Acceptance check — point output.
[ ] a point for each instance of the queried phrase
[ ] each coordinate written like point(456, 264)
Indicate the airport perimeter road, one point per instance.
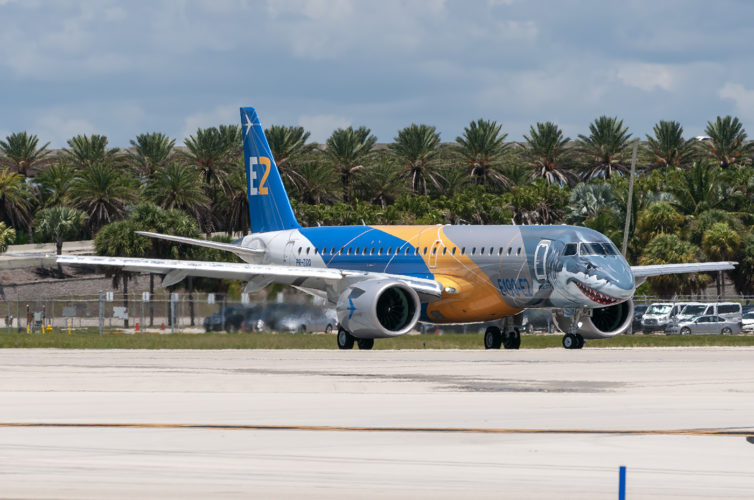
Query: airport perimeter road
point(341, 424)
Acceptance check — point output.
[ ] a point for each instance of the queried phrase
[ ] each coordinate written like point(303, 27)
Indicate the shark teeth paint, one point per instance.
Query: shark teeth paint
point(594, 295)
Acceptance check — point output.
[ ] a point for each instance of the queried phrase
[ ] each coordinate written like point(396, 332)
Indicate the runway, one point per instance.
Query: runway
point(337, 424)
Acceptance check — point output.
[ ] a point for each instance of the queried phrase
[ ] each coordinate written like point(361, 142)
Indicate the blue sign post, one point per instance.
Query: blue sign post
point(622, 483)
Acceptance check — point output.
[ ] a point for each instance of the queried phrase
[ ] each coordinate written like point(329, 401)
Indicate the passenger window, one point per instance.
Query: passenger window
point(491, 250)
point(348, 252)
point(500, 251)
point(307, 250)
point(453, 252)
point(389, 250)
point(473, 250)
point(481, 251)
point(518, 252)
point(510, 250)
point(463, 251)
point(727, 309)
point(444, 249)
point(570, 249)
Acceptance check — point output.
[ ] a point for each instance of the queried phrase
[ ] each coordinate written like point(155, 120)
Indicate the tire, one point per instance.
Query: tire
point(571, 341)
point(365, 344)
point(302, 329)
point(493, 339)
point(328, 329)
point(581, 341)
point(512, 339)
point(726, 331)
point(345, 339)
point(685, 330)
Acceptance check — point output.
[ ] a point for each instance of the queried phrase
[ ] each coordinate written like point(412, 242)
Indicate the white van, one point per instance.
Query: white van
point(660, 314)
point(690, 310)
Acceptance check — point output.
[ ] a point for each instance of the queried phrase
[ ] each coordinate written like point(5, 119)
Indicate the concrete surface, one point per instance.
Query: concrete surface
point(323, 395)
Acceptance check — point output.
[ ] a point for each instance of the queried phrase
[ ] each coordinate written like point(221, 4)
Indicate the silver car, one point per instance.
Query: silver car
point(704, 325)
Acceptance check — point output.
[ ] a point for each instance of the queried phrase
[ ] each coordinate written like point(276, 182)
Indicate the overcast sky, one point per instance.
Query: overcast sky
point(123, 68)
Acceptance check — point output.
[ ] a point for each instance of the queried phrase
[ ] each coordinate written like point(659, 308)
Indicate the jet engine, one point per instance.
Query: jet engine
point(604, 322)
point(378, 308)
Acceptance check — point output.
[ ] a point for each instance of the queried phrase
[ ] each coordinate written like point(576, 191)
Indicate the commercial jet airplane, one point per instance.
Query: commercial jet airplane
point(384, 279)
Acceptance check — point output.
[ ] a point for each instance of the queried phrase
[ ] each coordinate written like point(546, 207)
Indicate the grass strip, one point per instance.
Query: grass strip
point(92, 340)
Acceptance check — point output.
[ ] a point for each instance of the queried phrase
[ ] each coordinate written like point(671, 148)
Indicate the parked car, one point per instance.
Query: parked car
point(292, 318)
point(704, 325)
point(660, 314)
point(229, 318)
point(638, 314)
point(747, 322)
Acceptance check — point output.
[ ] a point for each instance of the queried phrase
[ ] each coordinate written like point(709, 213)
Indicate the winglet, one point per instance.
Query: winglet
point(269, 206)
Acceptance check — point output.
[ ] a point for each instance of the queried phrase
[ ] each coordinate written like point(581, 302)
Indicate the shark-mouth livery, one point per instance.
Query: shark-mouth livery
point(384, 279)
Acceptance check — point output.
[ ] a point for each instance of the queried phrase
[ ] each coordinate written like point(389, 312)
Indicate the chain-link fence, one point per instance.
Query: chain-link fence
point(141, 312)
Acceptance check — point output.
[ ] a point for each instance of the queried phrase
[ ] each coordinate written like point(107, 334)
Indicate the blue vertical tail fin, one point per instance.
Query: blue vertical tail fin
point(269, 206)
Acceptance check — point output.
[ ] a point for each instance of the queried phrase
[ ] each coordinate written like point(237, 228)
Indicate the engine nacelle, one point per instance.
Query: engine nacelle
point(378, 309)
point(605, 322)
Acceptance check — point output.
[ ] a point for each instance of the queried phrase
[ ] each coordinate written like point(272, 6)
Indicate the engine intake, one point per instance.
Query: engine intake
point(605, 322)
point(378, 309)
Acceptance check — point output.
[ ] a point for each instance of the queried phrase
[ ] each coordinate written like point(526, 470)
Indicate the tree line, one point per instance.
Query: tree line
point(693, 200)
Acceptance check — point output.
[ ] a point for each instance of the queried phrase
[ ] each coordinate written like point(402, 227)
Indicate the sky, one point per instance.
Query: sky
point(124, 68)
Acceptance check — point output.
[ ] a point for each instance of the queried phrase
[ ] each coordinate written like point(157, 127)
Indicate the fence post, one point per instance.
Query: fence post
point(101, 312)
point(172, 312)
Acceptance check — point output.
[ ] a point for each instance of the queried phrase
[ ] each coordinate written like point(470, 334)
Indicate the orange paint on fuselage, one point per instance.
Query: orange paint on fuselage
point(475, 299)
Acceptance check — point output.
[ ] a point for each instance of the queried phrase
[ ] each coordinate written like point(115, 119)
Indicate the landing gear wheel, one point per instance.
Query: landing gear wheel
point(365, 344)
point(512, 339)
point(345, 339)
point(493, 339)
point(573, 341)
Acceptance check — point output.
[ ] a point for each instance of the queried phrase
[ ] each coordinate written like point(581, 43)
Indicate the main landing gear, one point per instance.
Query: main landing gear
point(494, 338)
point(346, 340)
point(573, 341)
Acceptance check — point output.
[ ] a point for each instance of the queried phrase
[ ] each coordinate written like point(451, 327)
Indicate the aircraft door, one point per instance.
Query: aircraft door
point(288, 252)
point(540, 259)
point(434, 252)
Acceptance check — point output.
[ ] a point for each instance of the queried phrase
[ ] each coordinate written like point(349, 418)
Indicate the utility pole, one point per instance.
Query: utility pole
point(630, 197)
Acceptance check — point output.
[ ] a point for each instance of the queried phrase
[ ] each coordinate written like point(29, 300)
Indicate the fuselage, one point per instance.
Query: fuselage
point(487, 272)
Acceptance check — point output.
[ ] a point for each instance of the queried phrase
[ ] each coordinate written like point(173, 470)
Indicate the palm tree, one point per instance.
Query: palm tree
point(348, 148)
point(696, 189)
point(416, 147)
point(151, 151)
point(55, 184)
point(86, 151)
point(727, 142)
point(671, 249)
point(232, 205)
point(288, 146)
point(317, 181)
point(658, 218)
point(606, 145)
point(453, 180)
point(59, 224)
point(15, 199)
point(103, 193)
point(380, 183)
point(721, 242)
point(588, 200)
point(546, 147)
point(482, 147)
point(20, 150)
point(212, 150)
point(7, 236)
point(178, 186)
point(668, 148)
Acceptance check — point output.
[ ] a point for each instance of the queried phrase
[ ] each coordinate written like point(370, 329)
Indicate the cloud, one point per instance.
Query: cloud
point(741, 96)
point(647, 76)
point(322, 126)
point(58, 128)
point(219, 115)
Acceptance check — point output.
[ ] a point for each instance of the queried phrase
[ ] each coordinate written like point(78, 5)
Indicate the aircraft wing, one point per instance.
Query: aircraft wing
point(257, 275)
point(695, 267)
point(641, 273)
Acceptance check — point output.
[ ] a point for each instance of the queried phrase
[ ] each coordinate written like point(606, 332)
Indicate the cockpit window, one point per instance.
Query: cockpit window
point(571, 249)
point(594, 249)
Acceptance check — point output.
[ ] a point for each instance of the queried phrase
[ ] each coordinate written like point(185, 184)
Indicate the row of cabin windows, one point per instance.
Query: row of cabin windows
point(406, 251)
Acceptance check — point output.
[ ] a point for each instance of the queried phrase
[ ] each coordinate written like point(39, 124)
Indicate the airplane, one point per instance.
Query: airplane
point(383, 280)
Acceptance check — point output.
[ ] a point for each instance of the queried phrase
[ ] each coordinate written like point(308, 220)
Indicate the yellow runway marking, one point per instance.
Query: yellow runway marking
point(427, 430)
